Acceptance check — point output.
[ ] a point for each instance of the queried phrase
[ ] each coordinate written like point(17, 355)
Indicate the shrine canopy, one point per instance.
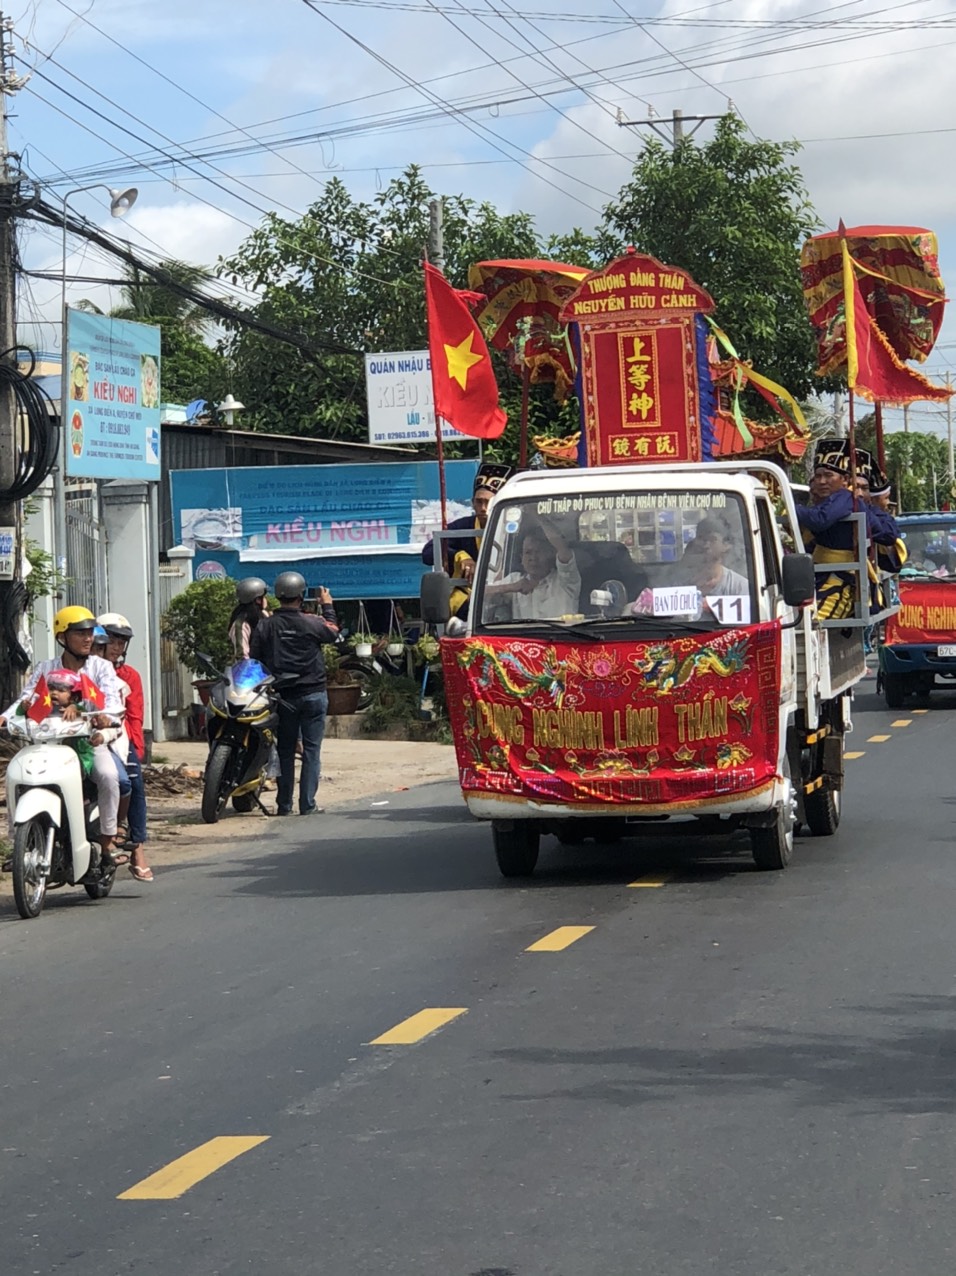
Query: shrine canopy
point(521, 315)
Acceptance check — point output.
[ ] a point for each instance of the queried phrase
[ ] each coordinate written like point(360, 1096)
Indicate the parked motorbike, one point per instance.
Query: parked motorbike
point(393, 658)
point(55, 816)
point(241, 730)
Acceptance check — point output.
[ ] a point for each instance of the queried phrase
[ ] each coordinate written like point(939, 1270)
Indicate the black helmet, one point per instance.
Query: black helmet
point(290, 585)
point(250, 588)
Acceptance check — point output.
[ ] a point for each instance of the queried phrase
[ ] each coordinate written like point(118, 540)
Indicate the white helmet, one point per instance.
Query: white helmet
point(116, 624)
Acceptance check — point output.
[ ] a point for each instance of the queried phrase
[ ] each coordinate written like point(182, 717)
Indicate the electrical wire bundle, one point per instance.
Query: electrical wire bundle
point(34, 407)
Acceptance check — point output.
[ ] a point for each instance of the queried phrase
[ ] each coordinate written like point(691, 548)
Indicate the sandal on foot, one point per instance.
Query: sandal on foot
point(112, 861)
point(141, 874)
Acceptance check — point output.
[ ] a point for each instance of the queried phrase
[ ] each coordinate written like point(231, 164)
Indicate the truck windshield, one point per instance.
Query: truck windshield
point(668, 556)
point(930, 548)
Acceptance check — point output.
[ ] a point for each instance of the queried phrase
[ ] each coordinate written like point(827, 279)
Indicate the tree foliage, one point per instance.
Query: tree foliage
point(348, 276)
point(917, 465)
point(733, 213)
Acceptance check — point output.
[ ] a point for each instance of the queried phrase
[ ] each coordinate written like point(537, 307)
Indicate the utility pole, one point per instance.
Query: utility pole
point(11, 520)
point(676, 121)
point(436, 237)
point(906, 418)
point(949, 431)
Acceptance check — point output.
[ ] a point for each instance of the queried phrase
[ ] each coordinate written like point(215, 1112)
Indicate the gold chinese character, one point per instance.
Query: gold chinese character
point(641, 447)
point(665, 445)
point(638, 377)
point(620, 447)
point(640, 404)
point(638, 356)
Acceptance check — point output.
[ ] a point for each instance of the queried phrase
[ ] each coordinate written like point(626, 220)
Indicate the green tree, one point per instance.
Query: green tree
point(917, 465)
point(733, 213)
point(347, 276)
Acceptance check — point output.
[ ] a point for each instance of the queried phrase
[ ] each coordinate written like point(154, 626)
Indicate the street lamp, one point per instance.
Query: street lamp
point(229, 407)
point(120, 204)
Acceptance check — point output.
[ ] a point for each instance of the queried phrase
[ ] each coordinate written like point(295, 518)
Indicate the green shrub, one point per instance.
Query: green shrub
point(198, 620)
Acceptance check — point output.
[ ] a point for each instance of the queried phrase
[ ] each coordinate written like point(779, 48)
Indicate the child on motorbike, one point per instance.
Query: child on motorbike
point(73, 632)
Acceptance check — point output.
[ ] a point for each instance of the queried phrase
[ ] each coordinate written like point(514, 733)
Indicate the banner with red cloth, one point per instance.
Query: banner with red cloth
point(622, 723)
point(927, 613)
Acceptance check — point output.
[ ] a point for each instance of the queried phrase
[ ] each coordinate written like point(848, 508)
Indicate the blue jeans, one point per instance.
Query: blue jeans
point(305, 716)
point(137, 801)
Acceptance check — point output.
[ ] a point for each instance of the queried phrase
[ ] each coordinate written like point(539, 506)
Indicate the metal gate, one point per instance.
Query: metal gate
point(86, 584)
point(176, 679)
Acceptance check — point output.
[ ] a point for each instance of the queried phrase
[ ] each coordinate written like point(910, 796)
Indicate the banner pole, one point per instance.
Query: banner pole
point(880, 449)
point(439, 442)
point(523, 428)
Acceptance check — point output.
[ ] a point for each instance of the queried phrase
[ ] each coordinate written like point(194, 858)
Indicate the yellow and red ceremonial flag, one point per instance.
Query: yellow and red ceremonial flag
point(90, 692)
point(466, 392)
point(873, 369)
point(41, 704)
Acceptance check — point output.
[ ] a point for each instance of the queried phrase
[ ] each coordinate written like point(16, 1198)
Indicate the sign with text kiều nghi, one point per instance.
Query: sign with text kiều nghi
point(111, 398)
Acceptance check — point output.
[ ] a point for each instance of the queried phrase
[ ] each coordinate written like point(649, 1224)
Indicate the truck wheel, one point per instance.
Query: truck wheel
point(772, 847)
point(822, 811)
point(516, 848)
point(894, 690)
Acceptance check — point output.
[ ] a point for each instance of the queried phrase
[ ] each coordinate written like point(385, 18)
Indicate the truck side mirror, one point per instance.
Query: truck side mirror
point(436, 598)
point(799, 580)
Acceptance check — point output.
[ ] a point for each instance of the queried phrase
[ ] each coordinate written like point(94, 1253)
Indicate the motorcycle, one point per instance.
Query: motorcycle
point(55, 816)
point(393, 659)
point(241, 731)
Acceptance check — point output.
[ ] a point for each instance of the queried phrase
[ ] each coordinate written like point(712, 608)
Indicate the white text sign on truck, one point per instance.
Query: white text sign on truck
point(400, 404)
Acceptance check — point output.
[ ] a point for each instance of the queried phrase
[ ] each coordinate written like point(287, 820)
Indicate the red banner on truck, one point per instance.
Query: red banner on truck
point(927, 613)
point(622, 723)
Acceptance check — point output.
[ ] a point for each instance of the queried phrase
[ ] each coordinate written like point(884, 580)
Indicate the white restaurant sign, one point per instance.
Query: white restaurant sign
point(400, 402)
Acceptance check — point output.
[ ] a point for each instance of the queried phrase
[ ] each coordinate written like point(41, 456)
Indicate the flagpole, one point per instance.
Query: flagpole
point(523, 427)
point(439, 441)
point(880, 449)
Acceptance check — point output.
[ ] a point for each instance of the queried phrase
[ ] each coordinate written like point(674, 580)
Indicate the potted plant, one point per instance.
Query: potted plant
point(197, 620)
point(362, 641)
point(343, 691)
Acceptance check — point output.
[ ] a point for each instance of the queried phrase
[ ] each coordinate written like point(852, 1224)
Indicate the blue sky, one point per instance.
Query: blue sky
point(867, 85)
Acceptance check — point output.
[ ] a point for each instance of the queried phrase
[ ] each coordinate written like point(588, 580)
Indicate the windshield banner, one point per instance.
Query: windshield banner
point(661, 722)
point(927, 613)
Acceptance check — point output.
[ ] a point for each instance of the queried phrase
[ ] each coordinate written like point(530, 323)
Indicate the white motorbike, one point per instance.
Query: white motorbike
point(55, 823)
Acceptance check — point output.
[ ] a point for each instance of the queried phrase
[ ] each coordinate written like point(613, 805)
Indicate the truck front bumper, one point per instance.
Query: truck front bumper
point(917, 658)
point(507, 806)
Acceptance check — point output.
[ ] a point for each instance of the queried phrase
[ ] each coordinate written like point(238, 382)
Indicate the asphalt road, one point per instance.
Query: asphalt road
point(731, 1072)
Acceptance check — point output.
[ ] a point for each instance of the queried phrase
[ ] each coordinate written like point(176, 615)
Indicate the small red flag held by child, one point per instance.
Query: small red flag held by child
point(41, 704)
point(466, 392)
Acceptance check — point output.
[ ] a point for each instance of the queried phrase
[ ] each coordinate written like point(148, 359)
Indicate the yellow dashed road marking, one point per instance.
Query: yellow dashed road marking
point(901, 722)
point(419, 1026)
point(651, 882)
point(877, 739)
point(180, 1175)
point(559, 939)
point(850, 756)
point(919, 710)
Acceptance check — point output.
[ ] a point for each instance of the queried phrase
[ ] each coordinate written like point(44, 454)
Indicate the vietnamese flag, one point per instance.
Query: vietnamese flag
point(873, 368)
point(41, 705)
point(91, 692)
point(466, 392)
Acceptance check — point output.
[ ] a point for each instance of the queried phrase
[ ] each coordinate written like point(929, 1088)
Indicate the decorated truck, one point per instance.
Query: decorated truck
point(919, 641)
point(641, 644)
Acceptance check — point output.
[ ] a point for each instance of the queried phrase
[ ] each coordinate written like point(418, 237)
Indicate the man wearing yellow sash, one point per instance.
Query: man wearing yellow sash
point(461, 553)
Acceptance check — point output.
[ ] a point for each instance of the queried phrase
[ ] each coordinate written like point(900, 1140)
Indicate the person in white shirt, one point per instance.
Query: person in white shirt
point(702, 563)
point(548, 585)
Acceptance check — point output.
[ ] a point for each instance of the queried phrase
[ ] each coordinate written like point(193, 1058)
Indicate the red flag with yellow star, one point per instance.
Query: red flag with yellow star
point(466, 392)
point(41, 704)
point(91, 693)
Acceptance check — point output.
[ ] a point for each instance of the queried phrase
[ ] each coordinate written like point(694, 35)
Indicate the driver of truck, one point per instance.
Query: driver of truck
point(549, 583)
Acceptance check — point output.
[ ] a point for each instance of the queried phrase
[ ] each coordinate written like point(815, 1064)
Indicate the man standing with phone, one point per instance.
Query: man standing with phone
point(289, 644)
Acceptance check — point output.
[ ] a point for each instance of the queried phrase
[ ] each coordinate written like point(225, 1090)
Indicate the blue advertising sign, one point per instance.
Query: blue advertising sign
point(111, 413)
point(358, 530)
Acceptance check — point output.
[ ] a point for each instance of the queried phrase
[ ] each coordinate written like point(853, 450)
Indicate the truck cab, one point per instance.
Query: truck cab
point(641, 645)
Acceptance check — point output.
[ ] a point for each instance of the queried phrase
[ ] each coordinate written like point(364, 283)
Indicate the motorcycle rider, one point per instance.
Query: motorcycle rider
point(118, 632)
point(73, 632)
point(252, 605)
point(290, 642)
